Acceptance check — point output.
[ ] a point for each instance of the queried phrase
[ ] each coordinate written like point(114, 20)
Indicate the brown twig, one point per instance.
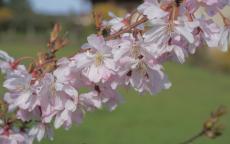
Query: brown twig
point(129, 28)
point(211, 127)
point(195, 137)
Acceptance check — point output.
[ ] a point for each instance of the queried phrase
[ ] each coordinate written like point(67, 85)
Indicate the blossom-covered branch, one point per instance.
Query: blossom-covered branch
point(132, 55)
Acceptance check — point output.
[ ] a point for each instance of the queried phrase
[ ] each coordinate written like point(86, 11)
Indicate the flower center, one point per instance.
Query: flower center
point(142, 68)
point(53, 89)
point(135, 52)
point(99, 59)
point(170, 28)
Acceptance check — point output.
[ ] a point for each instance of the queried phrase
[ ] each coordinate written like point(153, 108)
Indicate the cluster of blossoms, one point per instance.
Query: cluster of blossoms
point(60, 92)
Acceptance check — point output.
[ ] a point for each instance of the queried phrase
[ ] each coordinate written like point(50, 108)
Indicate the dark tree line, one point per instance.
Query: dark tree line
point(2, 3)
point(24, 19)
point(117, 1)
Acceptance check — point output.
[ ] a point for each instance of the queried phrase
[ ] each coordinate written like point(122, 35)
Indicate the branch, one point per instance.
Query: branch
point(129, 28)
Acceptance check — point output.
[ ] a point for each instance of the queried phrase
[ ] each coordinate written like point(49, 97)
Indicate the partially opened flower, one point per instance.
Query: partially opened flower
point(117, 23)
point(8, 64)
point(5, 61)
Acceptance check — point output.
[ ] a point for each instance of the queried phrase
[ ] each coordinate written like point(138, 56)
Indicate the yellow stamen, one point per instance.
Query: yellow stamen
point(99, 59)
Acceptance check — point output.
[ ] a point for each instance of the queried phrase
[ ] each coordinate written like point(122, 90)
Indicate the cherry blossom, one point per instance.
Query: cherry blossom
point(12, 135)
point(40, 130)
point(18, 84)
point(163, 31)
point(211, 6)
point(57, 93)
point(96, 64)
point(15, 138)
point(207, 32)
point(151, 8)
point(117, 23)
point(7, 64)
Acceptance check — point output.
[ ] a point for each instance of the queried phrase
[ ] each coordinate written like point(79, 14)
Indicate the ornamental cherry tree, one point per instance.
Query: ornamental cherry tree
point(126, 51)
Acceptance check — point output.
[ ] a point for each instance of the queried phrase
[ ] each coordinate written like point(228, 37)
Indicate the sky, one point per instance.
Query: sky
point(63, 7)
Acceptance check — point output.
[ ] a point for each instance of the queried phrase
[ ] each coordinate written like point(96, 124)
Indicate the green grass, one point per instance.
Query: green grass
point(167, 118)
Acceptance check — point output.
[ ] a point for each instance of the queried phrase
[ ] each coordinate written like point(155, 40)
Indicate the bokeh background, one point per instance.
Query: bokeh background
point(199, 86)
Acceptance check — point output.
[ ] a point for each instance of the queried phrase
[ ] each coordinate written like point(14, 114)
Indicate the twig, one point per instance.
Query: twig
point(117, 34)
point(129, 28)
point(211, 127)
point(195, 137)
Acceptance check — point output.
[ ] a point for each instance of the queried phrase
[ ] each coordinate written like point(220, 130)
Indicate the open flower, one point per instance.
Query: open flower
point(18, 85)
point(144, 75)
point(96, 64)
point(138, 67)
point(163, 31)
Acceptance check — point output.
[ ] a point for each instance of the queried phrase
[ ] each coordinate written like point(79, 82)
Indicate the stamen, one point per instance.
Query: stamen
point(142, 68)
point(135, 52)
point(99, 59)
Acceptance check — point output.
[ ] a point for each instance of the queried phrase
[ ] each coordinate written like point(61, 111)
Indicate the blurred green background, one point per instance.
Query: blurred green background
point(199, 86)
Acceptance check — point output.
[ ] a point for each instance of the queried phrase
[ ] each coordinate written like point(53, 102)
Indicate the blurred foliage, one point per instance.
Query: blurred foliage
point(5, 15)
point(119, 1)
point(211, 59)
point(18, 16)
point(104, 8)
point(127, 4)
point(220, 60)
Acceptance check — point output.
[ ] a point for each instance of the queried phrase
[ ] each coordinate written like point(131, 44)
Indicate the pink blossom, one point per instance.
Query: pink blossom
point(151, 8)
point(117, 23)
point(40, 130)
point(15, 138)
point(19, 88)
point(97, 64)
point(163, 31)
point(138, 67)
point(211, 6)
